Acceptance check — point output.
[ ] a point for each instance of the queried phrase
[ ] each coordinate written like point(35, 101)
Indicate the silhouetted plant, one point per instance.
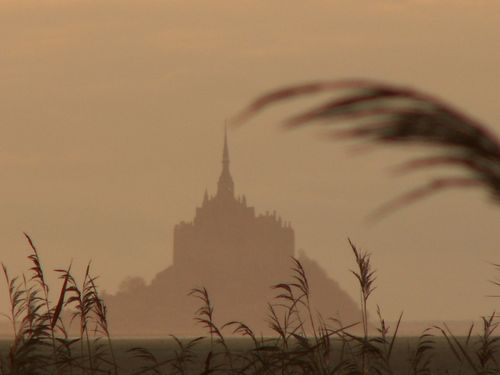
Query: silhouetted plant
point(101, 324)
point(41, 344)
point(303, 343)
point(480, 355)
point(420, 360)
point(387, 114)
point(366, 277)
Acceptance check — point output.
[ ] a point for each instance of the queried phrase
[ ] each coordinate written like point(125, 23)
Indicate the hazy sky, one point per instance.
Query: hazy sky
point(111, 119)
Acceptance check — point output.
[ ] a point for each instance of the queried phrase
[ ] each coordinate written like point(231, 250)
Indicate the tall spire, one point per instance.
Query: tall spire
point(225, 153)
point(226, 184)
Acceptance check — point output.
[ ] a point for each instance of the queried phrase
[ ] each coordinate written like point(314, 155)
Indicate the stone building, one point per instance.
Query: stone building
point(237, 255)
point(225, 227)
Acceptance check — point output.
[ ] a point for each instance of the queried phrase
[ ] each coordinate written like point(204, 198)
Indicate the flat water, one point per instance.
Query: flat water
point(443, 359)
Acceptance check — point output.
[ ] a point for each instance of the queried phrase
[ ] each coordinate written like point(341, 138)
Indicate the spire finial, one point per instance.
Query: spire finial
point(225, 154)
point(226, 185)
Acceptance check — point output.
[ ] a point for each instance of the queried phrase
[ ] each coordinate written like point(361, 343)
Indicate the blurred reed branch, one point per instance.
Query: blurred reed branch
point(385, 114)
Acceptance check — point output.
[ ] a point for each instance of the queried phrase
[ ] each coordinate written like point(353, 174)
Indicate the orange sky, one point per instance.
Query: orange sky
point(111, 116)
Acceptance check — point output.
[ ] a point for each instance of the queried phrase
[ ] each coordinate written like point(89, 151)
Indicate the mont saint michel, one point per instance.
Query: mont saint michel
point(237, 255)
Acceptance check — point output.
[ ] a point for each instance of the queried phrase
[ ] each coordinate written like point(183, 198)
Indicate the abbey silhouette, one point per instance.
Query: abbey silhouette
point(225, 231)
point(237, 255)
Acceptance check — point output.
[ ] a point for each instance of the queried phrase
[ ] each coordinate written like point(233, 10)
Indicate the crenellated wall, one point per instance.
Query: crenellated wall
point(224, 227)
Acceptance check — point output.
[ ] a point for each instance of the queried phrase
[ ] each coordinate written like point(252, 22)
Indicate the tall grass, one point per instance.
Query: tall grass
point(41, 343)
point(303, 342)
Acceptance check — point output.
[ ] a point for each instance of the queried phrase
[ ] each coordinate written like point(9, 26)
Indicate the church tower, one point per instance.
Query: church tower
point(225, 227)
